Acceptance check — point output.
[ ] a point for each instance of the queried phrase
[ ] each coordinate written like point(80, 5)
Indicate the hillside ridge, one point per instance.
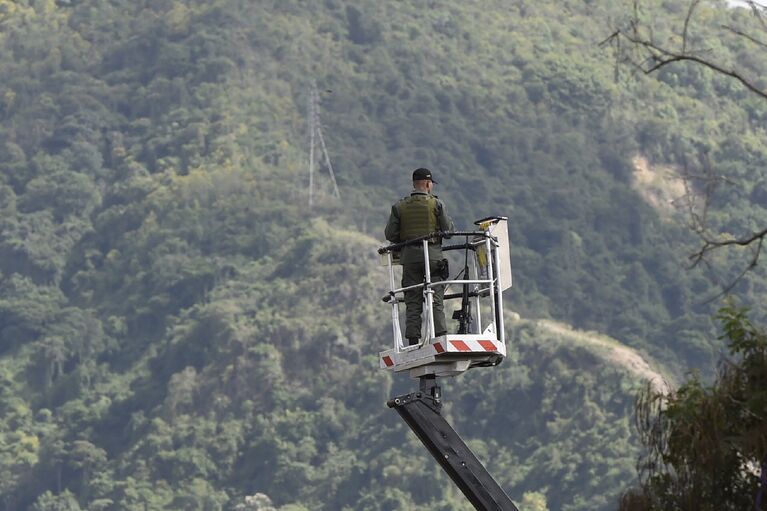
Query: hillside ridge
point(610, 350)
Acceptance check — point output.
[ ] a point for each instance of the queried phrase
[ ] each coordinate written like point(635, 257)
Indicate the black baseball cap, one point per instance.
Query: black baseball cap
point(421, 174)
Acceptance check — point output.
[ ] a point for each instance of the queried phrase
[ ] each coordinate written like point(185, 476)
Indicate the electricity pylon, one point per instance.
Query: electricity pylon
point(315, 133)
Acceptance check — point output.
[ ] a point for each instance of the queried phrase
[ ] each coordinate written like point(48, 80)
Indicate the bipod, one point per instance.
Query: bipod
point(421, 411)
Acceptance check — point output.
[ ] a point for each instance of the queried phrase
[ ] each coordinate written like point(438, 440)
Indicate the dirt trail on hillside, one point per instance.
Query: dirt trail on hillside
point(612, 352)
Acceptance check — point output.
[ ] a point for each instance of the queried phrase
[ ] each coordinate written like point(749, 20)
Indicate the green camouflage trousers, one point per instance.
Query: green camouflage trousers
point(412, 274)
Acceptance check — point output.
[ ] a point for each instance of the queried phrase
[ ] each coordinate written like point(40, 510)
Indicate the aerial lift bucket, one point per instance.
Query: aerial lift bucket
point(487, 274)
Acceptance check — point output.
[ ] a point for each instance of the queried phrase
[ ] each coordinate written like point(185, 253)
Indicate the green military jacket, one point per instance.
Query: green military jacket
point(396, 228)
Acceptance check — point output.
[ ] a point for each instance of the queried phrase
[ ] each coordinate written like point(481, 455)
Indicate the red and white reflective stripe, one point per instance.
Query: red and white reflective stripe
point(472, 345)
point(460, 345)
point(488, 345)
point(450, 345)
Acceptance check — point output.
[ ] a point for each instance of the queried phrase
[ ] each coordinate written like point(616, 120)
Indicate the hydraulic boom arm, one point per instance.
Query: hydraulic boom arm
point(421, 411)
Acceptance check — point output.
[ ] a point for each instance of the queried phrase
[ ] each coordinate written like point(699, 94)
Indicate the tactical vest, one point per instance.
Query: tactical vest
point(417, 216)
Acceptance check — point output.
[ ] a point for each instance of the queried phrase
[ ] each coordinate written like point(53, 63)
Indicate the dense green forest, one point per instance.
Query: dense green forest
point(180, 330)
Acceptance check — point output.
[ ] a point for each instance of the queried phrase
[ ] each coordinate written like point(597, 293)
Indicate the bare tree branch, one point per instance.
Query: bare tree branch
point(711, 245)
point(659, 56)
point(756, 10)
point(663, 57)
point(635, 44)
point(690, 12)
point(745, 35)
point(698, 224)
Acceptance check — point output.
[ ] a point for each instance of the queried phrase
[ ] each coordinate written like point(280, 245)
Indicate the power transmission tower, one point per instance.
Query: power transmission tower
point(315, 133)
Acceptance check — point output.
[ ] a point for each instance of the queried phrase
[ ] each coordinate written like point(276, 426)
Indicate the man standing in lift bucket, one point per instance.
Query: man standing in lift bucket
point(414, 216)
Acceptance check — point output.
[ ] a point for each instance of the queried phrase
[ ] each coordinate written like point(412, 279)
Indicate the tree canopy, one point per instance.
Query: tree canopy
point(706, 445)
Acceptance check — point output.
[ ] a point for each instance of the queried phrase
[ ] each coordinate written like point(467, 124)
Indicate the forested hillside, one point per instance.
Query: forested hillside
point(180, 330)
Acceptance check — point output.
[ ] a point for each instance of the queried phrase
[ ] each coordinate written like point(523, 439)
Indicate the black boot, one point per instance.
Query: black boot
point(412, 341)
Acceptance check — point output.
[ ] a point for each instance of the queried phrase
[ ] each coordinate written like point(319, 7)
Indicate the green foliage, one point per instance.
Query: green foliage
point(533, 501)
point(49, 502)
point(178, 330)
point(706, 446)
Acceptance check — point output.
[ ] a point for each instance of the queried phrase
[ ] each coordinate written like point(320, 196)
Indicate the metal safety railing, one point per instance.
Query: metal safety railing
point(479, 281)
